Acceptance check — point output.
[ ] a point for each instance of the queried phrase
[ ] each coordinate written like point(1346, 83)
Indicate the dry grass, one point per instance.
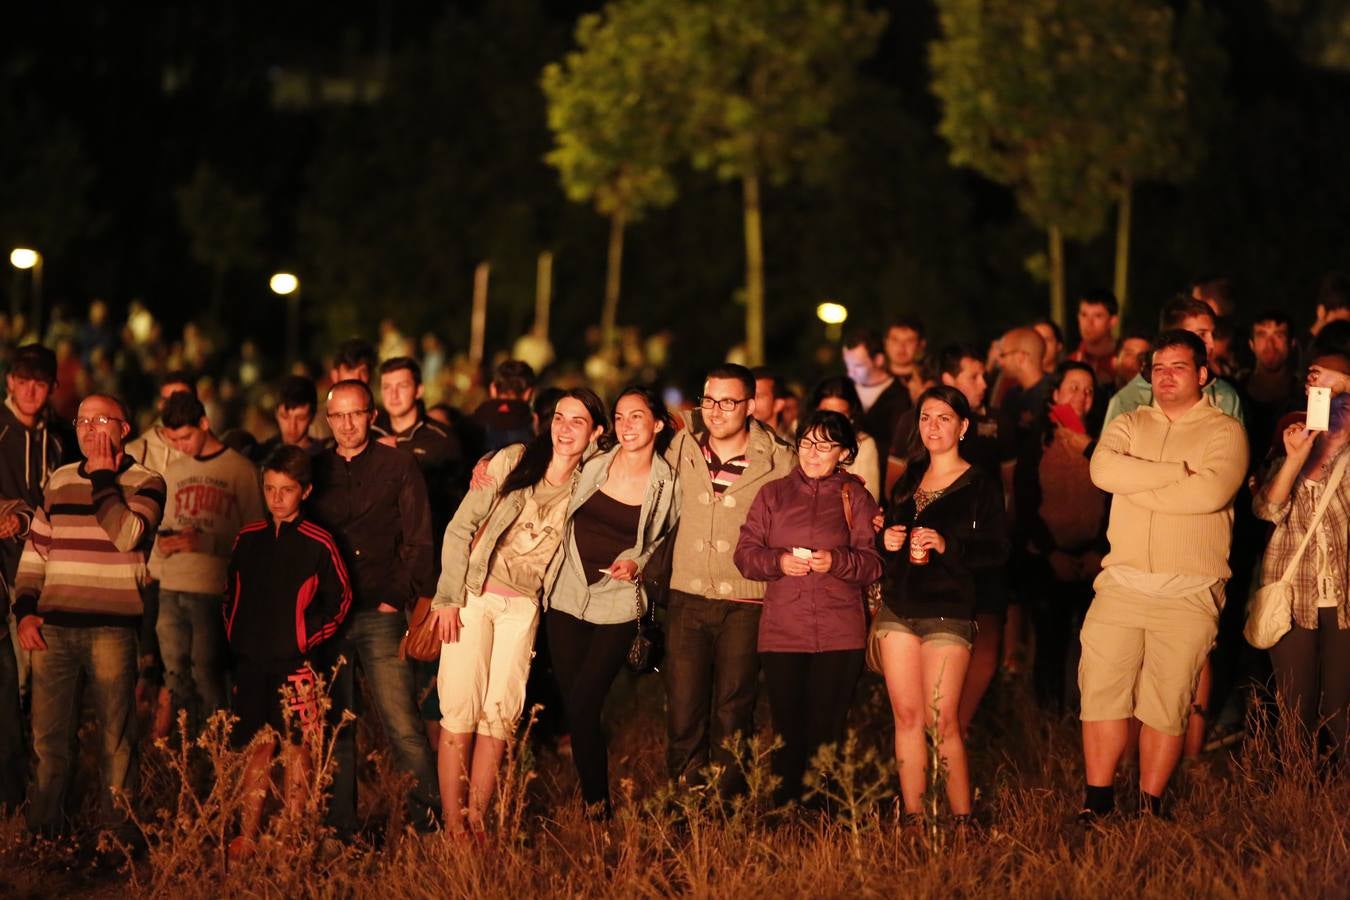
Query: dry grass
point(1260, 823)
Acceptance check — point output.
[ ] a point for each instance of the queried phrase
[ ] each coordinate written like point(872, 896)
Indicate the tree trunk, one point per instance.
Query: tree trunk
point(613, 280)
point(478, 315)
point(754, 272)
point(1057, 276)
point(1124, 215)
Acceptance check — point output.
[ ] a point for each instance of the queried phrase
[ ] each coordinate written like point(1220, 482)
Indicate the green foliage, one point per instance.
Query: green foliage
point(764, 79)
point(613, 106)
point(44, 192)
point(225, 225)
point(1064, 102)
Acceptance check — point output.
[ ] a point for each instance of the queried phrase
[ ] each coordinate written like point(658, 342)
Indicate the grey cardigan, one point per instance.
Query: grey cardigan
point(609, 601)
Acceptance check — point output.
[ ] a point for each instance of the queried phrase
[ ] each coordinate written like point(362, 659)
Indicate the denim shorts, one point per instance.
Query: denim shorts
point(928, 629)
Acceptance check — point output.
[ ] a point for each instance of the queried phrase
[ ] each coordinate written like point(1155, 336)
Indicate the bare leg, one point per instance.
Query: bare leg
point(163, 713)
point(944, 671)
point(901, 664)
point(298, 769)
point(1158, 756)
point(487, 758)
point(452, 769)
point(1103, 744)
point(983, 665)
point(1195, 725)
point(257, 775)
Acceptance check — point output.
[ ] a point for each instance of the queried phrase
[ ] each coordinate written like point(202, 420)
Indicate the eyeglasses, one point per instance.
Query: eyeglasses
point(726, 404)
point(86, 421)
point(819, 446)
point(352, 416)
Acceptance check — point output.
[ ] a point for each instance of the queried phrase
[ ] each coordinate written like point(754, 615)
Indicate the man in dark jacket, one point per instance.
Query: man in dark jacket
point(374, 501)
point(33, 444)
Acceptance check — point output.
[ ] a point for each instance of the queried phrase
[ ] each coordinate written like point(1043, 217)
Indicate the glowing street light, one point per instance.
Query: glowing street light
point(282, 283)
point(24, 258)
point(831, 313)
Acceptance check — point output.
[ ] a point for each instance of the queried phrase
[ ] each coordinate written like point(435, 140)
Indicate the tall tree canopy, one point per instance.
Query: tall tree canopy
point(1067, 103)
point(613, 106)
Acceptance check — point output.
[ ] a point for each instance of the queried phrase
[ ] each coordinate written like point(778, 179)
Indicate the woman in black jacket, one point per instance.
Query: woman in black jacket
point(946, 520)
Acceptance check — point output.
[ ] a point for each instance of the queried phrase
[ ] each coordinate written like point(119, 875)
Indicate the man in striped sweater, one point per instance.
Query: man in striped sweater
point(78, 605)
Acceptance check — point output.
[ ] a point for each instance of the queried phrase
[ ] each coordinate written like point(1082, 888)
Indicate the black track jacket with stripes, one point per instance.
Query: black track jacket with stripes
point(287, 592)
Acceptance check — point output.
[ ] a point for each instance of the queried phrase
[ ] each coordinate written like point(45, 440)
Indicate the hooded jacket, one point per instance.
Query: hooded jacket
point(970, 517)
point(28, 456)
point(1173, 484)
point(819, 611)
point(608, 602)
point(479, 523)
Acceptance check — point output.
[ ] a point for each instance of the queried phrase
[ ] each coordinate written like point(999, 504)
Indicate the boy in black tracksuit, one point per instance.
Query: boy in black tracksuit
point(286, 594)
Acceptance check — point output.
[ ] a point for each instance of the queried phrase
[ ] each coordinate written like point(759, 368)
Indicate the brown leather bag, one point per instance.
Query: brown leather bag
point(420, 641)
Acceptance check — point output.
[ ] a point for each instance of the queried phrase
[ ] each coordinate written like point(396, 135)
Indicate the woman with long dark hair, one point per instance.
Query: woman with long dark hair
point(809, 535)
point(837, 394)
point(1061, 518)
point(1312, 659)
point(625, 504)
point(498, 559)
point(945, 522)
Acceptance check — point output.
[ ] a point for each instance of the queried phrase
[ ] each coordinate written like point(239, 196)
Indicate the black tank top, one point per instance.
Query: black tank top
point(604, 528)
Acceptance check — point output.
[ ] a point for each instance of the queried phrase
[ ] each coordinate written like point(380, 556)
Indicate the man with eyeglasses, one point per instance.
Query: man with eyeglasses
point(374, 501)
point(78, 602)
point(33, 444)
point(723, 457)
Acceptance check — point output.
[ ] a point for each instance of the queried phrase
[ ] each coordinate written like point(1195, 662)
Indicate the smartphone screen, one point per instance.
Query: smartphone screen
point(1319, 409)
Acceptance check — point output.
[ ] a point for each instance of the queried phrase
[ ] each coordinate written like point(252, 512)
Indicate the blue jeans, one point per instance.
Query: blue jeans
point(191, 631)
point(370, 638)
point(106, 657)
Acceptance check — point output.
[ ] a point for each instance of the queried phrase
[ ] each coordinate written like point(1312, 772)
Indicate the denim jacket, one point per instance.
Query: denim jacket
point(609, 601)
point(464, 564)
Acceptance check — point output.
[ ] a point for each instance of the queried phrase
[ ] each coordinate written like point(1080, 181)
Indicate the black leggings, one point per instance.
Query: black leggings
point(809, 695)
point(586, 660)
point(1312, 672)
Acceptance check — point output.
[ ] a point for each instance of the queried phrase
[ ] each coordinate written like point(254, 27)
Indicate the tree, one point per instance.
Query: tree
point(763, 79)
point(224, 224)
point(612, 110)
point(1069, 104)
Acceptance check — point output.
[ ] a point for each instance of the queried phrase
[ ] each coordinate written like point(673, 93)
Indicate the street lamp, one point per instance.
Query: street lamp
point(833, 315)
point(284, 284)
point(22, 258)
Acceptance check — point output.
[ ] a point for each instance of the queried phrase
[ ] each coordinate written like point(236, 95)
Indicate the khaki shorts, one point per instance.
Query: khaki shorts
point(1142, 655)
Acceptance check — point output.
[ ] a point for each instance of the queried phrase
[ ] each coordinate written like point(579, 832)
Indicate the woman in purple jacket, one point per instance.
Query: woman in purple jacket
point(810, 536)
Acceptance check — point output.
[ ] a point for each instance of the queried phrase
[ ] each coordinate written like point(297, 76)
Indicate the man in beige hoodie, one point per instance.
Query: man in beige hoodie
point(1172, 468)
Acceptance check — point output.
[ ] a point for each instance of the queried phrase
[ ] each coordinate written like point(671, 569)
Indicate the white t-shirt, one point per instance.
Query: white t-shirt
point(869, 394)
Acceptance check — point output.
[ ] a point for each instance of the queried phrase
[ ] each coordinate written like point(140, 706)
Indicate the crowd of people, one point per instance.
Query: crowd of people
point(1097, 516)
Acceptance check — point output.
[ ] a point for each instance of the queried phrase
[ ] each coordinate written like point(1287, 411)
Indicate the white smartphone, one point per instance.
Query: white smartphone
point(1319, 409)
point(801, 552)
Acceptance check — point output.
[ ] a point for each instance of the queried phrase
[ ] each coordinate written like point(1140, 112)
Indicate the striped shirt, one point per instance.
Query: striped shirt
point(724, 472)
point(85, 558)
